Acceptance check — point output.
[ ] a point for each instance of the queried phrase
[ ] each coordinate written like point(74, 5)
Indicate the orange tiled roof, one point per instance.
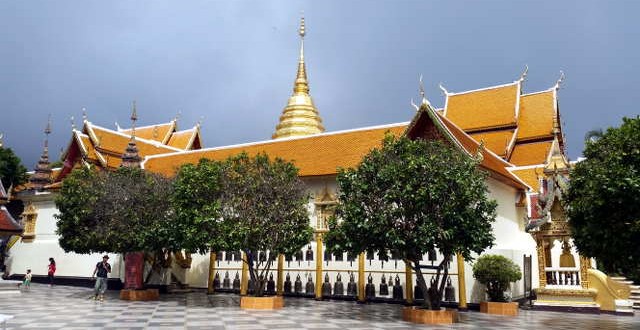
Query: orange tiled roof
point(536, 115)
point(484, 109)
point(530, 153)
point(496, 141)
point(314, 155)
point(183, 139)
point(529, 176)
point(159, 132)
point(112, 142)
point(490, 160)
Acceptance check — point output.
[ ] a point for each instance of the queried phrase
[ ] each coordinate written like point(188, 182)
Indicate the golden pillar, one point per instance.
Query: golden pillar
point(542, 274)
point(585, 264)
point(280, 284)
point(244, 280)
point(462, 285)
point(319, 256)
point(408, 273)
point(212, 271)
point(361, 296)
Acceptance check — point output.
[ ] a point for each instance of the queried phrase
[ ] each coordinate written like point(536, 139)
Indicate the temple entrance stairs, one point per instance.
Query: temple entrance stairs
point(634, 296)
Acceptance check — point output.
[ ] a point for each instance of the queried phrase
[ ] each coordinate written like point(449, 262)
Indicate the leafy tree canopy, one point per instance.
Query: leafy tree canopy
point(604, 200)
point(496, 273)
point(196, 200)
point(12, 172)
point(122, 211)
point(410, 197)
point(264, 207)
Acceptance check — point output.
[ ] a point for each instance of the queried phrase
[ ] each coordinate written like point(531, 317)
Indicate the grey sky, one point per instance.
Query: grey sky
point(234, 62)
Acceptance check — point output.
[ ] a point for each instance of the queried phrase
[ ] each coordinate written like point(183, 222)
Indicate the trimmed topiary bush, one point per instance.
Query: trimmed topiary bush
point(496, 273)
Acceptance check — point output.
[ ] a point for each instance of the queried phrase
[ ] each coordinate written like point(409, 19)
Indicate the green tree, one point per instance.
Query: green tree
point(604, 200)
point(264, 208)
point(196, 199)
point(12, 172)
point(496, 273)
point(411, 197)
point(127, 210)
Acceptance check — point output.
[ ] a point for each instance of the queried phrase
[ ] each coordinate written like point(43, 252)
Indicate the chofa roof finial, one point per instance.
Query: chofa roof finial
point(560, 80)
point(523, 76)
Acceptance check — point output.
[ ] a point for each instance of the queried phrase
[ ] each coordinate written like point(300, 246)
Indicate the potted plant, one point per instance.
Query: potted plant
point(496, 273)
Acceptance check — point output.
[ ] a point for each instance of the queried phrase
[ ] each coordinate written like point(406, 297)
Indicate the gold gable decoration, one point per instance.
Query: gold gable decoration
point(28, 219)
point(325, 204)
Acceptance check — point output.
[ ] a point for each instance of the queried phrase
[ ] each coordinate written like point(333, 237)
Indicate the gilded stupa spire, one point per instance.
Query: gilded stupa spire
point(42, 173)
point(300, 117)
point(130, 158)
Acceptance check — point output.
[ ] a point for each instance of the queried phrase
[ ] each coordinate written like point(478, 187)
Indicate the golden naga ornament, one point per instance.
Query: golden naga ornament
point(300, 117)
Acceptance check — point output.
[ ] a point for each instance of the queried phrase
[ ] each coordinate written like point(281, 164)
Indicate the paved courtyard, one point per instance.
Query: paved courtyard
point(70, 308)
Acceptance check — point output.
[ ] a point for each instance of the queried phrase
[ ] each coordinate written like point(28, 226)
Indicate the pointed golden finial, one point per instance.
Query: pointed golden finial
point(47, 131)
point(134, 117)
point(300, 117)
point(84, 114)
point(301, 30)
point(73, 123)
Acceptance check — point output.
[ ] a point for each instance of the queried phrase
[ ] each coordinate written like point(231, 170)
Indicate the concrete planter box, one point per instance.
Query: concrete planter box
point(426, 316)
point(140, 295)
point(499, 308)
point(273, 302)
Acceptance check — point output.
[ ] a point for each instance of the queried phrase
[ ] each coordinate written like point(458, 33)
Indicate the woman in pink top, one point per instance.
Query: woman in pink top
point(51, 271)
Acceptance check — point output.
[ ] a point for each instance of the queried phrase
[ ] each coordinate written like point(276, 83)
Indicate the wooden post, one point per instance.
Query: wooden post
point(280, 284)
point(244, 280)
point(408, 273)
point(462, 286)
point(212, 271)
point(319, 256)
point(361, 279)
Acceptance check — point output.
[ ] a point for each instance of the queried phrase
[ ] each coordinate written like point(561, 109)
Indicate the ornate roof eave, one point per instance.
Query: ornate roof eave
point(426, 109)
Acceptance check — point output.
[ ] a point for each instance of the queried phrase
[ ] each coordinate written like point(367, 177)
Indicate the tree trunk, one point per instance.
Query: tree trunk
point(422, 284)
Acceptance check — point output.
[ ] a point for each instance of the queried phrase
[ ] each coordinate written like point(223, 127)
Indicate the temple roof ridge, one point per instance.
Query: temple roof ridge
point(281, 140)
point(449, 93)
point(151, 142)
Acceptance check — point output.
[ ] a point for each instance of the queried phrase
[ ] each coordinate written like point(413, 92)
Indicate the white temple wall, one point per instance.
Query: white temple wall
point(511, 241)
point(35, 253)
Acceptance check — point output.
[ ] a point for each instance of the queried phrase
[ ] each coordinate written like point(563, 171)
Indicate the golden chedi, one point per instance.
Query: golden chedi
point(300, 117)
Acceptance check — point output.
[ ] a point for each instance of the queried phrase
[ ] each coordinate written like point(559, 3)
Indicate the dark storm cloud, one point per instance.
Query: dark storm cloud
point(233, 62)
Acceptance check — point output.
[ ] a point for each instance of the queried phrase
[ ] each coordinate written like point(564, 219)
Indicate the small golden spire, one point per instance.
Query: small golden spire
point(73, 123)
point(47, 131)
point(300, 117)
point(84, 114)
point(134, 117)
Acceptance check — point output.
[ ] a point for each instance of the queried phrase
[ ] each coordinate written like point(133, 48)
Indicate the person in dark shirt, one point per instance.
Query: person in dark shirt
point(102, 269)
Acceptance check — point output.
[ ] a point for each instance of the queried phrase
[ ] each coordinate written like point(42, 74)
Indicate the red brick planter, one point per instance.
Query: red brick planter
point(273, 302)
point(140, 295)
point(426, 316)
point(499, 308)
